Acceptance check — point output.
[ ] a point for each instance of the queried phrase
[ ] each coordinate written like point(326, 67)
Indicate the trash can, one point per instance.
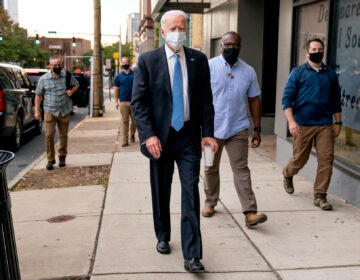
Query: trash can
point(9, 263)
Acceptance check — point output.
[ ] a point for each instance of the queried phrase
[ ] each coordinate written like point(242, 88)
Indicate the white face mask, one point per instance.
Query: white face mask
point(176, 39)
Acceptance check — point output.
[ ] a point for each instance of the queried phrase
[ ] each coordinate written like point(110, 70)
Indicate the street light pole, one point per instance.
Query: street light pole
point(97, 71)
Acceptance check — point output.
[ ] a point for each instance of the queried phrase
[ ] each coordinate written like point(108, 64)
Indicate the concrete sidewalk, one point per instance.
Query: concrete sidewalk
point(98, 232)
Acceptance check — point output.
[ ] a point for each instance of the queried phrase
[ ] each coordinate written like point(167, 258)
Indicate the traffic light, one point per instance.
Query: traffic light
point(1, 35)
point(37, 40)
point(73, 42)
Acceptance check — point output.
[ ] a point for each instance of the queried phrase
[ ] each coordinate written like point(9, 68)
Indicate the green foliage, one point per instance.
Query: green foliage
point(16, 47)
point(126, 50)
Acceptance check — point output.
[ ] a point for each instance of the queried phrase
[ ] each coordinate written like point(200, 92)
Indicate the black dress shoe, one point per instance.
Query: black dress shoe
point(62, 161)
point(163, 247)
point(193, 265)
point(50, 165)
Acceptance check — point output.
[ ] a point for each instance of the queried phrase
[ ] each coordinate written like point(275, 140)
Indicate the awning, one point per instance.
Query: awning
point(163, 6)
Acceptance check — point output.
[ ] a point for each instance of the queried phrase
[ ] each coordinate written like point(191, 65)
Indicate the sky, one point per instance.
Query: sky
point(75, 18)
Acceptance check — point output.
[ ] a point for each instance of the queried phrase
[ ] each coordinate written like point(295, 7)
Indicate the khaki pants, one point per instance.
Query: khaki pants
point(62, 123)
point(125, 111)
point(323, 139)
point(237, 148)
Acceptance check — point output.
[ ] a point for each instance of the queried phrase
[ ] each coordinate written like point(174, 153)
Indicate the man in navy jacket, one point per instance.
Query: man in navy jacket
point(152, 105)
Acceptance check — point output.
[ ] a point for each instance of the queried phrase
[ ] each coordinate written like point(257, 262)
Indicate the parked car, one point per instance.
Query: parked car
point(81, 97)
point(17, 106)
point(35, 74)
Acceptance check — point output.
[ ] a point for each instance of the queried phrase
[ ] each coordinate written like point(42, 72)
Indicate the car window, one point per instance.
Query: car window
point(26, 79)
point(21, 79)
point(4, 82)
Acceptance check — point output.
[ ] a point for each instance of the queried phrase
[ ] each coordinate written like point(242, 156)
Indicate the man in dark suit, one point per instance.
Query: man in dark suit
point(164, 140)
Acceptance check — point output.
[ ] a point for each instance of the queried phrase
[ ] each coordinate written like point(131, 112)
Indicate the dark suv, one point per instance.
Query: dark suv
point(81, 97)
point(17, 106)
point(35, 74)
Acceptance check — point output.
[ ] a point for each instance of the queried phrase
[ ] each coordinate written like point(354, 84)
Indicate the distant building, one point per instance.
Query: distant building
point(63, 46)
point(146, 35)
point(12, 8)
point(132, 26)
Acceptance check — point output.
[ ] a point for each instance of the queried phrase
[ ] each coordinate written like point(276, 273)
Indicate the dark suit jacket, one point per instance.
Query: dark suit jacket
point(152, 96)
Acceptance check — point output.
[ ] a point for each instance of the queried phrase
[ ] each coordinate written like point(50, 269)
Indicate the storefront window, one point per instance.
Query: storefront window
point(347, 48)
point(311, 22)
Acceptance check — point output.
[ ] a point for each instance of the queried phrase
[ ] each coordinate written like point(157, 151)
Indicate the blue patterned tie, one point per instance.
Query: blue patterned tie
point(177, 118)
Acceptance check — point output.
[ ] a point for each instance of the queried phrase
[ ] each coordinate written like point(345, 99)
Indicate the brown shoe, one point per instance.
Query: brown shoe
point(321, 201)
point(252, 219)
point(208, 211)
point(125, 145)
point(289, 185)
point(132, 138)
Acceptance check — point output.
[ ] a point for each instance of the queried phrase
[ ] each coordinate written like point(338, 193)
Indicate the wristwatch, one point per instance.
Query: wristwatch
point(338, 123)
point(257, 128)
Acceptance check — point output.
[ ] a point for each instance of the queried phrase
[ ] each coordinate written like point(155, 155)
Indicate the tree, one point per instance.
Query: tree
point(126, 50)
point(16, 47)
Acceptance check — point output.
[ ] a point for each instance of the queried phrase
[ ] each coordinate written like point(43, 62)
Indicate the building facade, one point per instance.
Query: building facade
point(73, 55)
point(12, 9)
point(132, 26)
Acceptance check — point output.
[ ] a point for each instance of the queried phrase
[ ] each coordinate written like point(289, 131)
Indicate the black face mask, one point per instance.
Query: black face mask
point(57, 70)
point(316, 57)
point(125, 66)
point(231, 55)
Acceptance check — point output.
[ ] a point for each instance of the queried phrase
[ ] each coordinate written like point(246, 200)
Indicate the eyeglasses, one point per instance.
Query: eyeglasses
point(231, 45)
point(55, 65)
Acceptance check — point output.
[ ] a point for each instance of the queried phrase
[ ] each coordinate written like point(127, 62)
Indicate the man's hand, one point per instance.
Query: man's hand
point(294, 128)
point(153, 145)
point(117, 105)
point(336, 130)
point(209, 141)
point(69, 92)
point(37, 115)
point(256, 139)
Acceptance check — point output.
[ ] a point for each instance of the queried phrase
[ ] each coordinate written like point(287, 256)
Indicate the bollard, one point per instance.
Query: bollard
point(9, 264)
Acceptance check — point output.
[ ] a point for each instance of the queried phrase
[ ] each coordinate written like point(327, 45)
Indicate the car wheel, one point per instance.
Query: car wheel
point(16, 136)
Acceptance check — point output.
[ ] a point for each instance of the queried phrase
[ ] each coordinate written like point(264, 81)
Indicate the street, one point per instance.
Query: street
point(34, 145)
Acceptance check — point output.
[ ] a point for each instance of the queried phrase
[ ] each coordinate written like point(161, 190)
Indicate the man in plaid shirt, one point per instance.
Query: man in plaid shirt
point(52, 89)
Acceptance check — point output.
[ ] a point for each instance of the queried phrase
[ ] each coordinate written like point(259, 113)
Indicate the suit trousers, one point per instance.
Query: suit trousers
point(62, 123)
point(323, 139)
point(126, 115)
point(237, 148)
point(180, 149)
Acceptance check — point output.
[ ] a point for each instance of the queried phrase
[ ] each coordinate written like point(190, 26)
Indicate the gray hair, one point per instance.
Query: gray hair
point(171, 13)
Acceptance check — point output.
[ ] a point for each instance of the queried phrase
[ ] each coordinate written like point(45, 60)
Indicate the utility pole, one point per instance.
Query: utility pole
point(120, 56)
point(97, 71)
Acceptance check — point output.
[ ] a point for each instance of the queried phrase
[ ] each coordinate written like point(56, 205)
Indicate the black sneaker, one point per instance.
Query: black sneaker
point(50, 165)
point(288, 185)
point(193, 265)
point(62, 161)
